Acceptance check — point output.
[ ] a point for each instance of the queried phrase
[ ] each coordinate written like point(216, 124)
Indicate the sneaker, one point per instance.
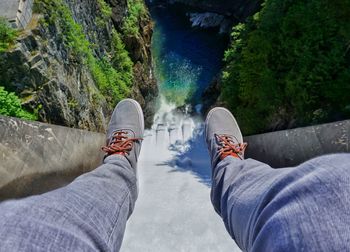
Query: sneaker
point(125, 131)
point(223, 136)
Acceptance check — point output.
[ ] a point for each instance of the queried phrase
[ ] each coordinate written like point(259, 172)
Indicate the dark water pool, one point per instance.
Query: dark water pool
point(186, 58)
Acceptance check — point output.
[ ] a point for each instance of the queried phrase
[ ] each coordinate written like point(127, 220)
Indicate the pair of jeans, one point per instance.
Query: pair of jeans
point(305, 208)
point(89, 214)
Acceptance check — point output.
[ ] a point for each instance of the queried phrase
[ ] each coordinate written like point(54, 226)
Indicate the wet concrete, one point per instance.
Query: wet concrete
point(37, 157)
point(292, 147)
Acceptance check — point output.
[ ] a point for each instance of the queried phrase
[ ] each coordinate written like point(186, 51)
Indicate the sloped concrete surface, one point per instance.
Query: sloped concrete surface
point(292, 147)
point(37, 157)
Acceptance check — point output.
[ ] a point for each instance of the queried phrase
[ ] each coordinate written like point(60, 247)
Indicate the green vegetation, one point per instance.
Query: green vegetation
point(106, 12)
point(289, 65)
point(136, 11)
point(10, 105)
point(120, 59)
point(105, 9)
point(113, 73)
point(7, 35)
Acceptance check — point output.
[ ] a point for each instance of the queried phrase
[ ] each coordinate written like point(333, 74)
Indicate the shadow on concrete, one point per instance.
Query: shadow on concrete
point(194, 158)
point(38, 183)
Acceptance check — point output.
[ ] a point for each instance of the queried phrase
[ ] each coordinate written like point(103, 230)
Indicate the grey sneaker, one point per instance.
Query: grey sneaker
point(125, 131)
point(223, 136)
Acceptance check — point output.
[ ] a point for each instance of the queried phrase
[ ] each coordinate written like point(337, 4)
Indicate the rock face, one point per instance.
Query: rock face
point(235, 10)
point(145, 87)
point(39, 68)
point(39, 71)
point(240, 9)
point(210, 96)
point(209, 20)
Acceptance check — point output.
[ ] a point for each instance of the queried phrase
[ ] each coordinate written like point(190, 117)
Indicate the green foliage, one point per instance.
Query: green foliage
point(7, 35)
point(136, 10)
point(112, 73)
point(290, 65)
point(71, 33)
point(120, 59)
point(106, 10)
point(10, 105)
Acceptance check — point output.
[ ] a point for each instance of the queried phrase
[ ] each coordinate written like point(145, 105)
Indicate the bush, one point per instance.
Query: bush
point(136, 10)
point(120, 59)
point(105, 9)
point(10, 105)
point(7, 35)
point(289, 65)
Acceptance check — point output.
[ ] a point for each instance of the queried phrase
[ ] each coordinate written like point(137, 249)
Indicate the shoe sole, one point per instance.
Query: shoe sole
point(140, 113)
point(229, 112)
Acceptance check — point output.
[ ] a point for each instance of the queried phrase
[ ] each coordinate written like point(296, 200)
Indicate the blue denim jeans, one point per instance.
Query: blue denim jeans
point(304, 208)
point(89, 214)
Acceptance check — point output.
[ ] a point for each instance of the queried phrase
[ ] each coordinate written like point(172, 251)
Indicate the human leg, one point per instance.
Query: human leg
point(305, 208)
point(90, 213)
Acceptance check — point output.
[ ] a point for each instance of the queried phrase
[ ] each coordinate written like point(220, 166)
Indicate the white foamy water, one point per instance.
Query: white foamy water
point(173, 211)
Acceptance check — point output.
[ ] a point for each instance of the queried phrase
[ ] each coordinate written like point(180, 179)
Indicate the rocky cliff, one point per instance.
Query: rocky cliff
point(70, 66)
point(219, 13)
point(239, 9)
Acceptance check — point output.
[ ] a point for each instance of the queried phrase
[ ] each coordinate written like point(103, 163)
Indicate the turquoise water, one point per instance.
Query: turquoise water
point(186, 59)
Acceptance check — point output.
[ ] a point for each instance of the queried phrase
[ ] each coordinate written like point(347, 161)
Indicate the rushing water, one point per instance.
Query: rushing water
point(173, 211)
point(186, 61)
point(186, 58)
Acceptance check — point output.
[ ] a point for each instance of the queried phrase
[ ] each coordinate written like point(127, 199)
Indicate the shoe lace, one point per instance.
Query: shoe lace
point(230, 148)
point(120, 144)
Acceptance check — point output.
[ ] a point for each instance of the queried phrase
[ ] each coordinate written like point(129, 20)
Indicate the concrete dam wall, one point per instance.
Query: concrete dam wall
point(292, 147)
point(38, 157)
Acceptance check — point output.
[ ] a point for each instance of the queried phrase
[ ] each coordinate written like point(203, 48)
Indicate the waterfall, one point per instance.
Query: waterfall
point(185, 60)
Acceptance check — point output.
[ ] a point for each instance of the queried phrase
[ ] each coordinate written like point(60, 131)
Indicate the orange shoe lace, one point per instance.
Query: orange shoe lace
point(229, 148)
point(120, 144)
